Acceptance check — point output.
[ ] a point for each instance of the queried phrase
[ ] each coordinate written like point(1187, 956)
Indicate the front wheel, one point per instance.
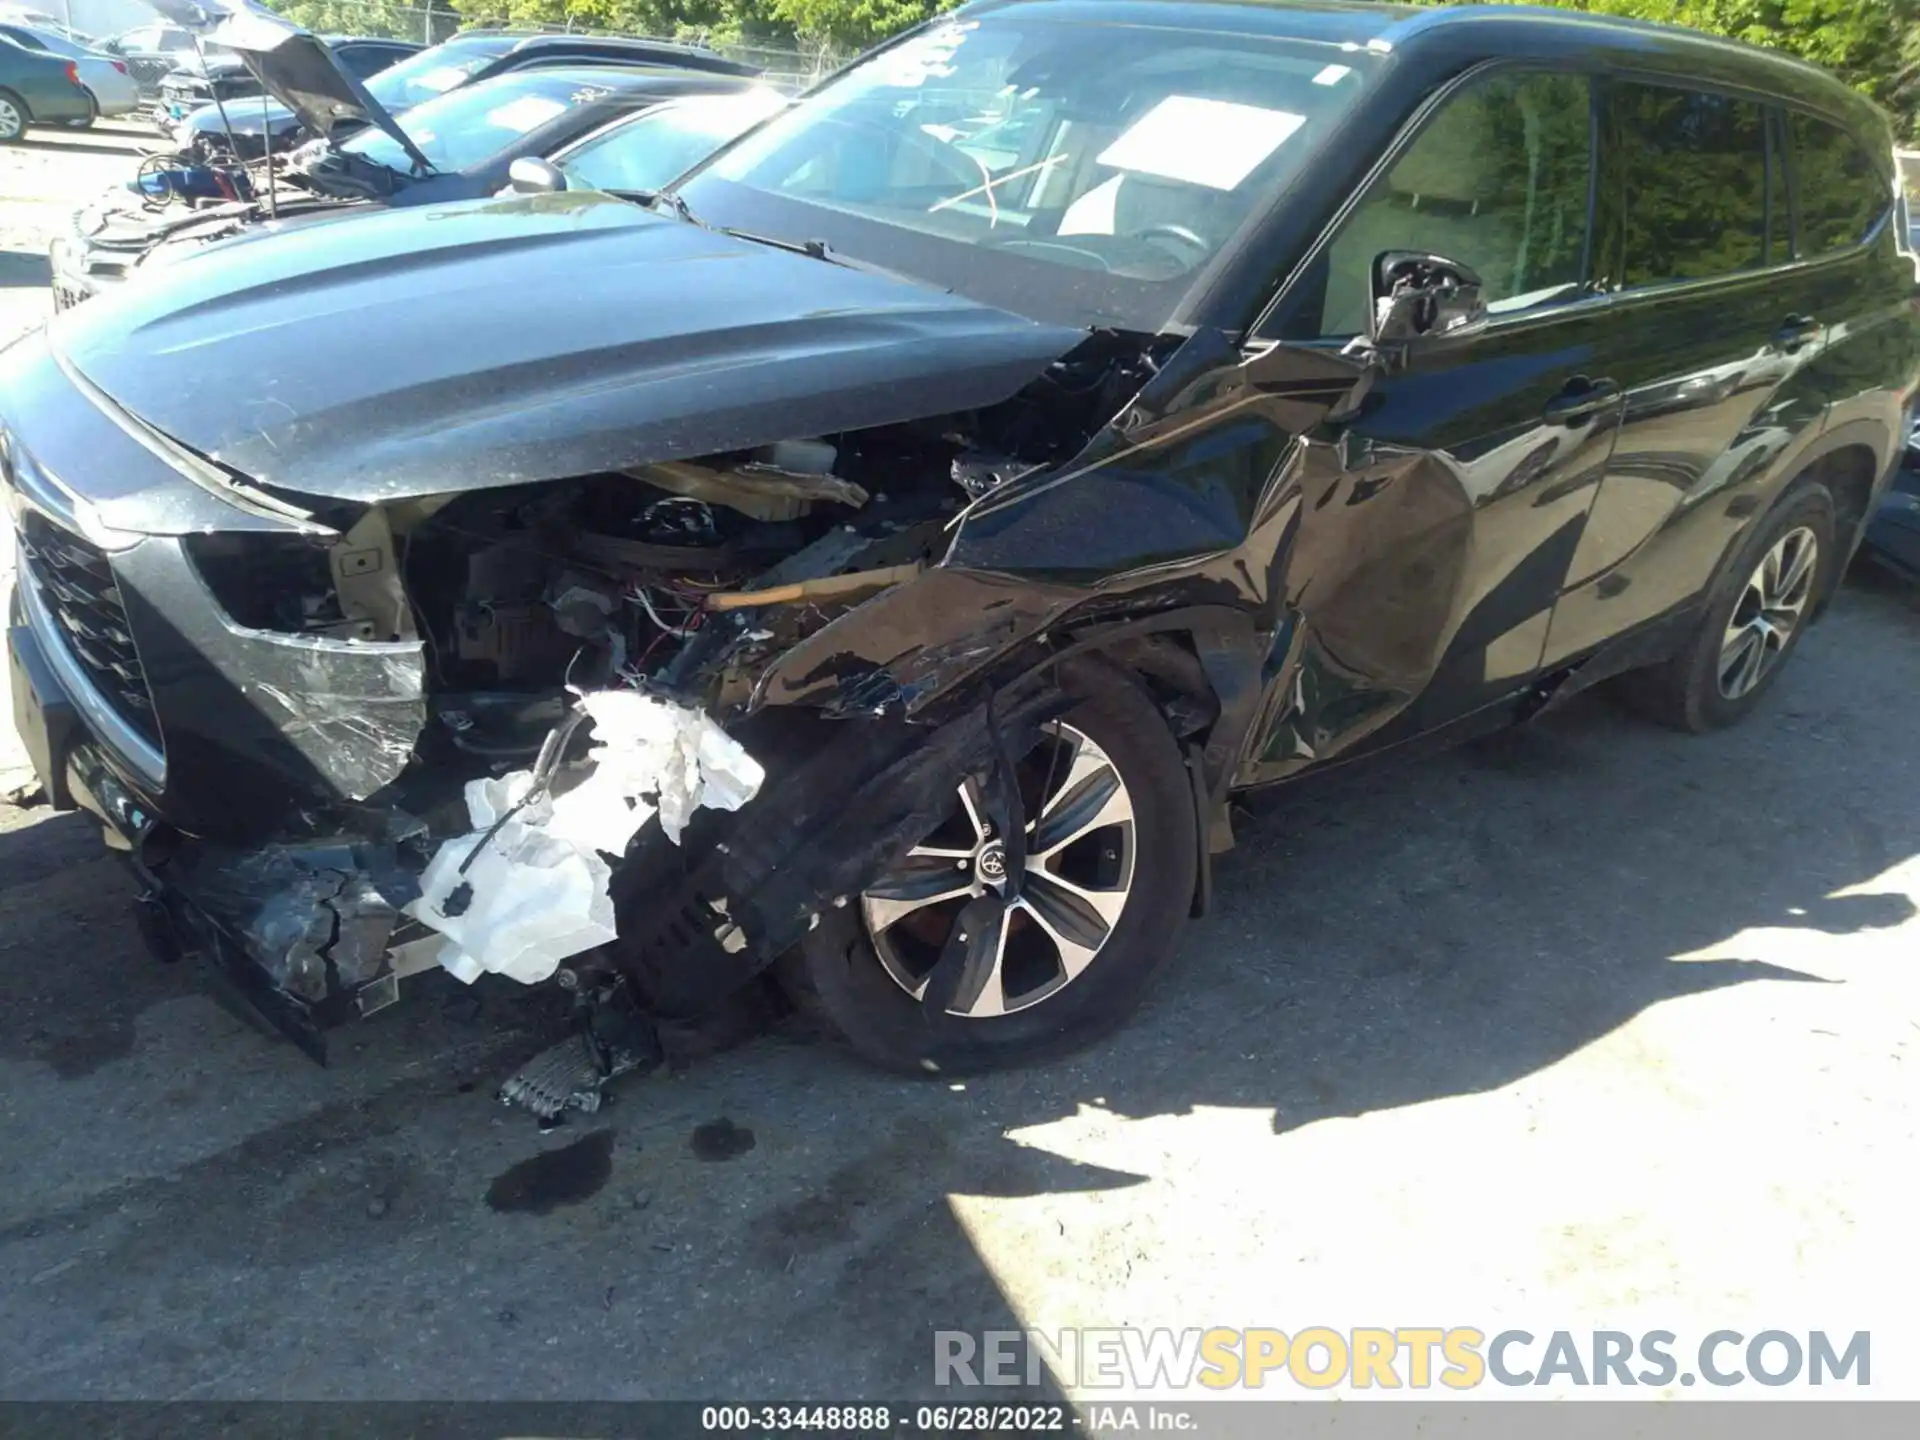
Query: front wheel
point(1755, 616)
point(13, 117)
point(1065, 956)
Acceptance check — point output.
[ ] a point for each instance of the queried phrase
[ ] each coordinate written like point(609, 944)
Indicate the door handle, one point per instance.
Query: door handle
point(1794, 332)
point(1580, 401)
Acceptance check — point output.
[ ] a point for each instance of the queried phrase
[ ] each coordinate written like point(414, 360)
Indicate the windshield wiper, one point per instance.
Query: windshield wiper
point(673, 200)
point(817, 249)
point(813, 249)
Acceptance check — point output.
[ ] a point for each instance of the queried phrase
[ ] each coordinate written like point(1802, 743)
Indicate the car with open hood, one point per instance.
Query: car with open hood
point(222, 80)
point(465, 59)
point(877, 561)
point(460, 145)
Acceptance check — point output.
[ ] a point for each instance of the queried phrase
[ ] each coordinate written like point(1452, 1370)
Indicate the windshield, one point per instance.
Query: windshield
point(650, 151)
point(1092, 169)
point(429, 73)
point(477, 122)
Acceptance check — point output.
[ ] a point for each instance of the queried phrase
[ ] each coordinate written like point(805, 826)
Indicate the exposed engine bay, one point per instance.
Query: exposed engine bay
point(592, 649)
point(175, 207)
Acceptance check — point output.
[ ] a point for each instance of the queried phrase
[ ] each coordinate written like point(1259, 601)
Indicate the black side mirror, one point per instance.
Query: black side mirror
point(530, 175)
point(1420, 297)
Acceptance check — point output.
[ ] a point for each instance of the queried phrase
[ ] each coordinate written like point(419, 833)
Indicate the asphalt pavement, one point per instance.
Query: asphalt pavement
point(1591, 1025)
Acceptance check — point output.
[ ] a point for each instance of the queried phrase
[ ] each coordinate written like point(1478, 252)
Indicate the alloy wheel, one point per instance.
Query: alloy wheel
point(12, 123)
point(1079, 874)
point(1768, 613)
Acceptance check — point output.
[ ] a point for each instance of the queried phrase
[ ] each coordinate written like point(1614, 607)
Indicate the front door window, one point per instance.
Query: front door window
point(1497, 179)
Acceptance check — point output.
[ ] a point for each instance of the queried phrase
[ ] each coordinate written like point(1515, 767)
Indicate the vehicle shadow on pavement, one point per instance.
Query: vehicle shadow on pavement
point(214, 1216)
point(76, 147)
point(23, 269)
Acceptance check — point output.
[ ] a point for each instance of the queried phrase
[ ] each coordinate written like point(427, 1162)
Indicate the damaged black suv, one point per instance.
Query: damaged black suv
point(879, 560)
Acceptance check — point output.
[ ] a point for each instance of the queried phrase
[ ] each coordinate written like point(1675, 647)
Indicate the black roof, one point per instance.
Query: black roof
point(1470, 33)
point(372, 40)
point(660, 52)
point(648, 80)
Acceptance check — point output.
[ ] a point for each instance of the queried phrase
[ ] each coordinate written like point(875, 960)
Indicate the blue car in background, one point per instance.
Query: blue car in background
point(1893, 538)
point(37, 88)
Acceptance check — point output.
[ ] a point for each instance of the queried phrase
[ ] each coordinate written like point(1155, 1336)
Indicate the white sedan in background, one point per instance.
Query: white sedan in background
point(114, 90)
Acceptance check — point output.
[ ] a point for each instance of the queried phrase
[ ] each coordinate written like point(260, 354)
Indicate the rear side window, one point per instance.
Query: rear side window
point(1498, 180)
point(1842, 192)
point(1690, 180)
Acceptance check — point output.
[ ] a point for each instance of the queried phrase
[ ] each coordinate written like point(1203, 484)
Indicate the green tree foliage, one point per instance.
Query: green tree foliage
point(373, 17)
point(853, 25)
point(1874, 45)
point(707, 19)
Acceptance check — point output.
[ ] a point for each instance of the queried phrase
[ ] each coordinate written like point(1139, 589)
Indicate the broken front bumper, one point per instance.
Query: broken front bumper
point(75, 277)
point(223, 762)
point(298, 936)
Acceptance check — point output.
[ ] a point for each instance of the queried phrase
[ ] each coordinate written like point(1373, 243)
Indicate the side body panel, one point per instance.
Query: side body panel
point(1429, 553)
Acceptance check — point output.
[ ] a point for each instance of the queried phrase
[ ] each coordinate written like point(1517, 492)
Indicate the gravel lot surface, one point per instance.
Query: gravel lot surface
point(1591, 1026)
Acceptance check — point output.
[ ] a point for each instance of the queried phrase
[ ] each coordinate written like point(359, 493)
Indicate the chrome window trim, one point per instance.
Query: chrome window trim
point(1598, 73)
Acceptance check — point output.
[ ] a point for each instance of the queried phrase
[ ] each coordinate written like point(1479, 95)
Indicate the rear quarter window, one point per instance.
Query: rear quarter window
point(1843, 194)
point(1690, 194)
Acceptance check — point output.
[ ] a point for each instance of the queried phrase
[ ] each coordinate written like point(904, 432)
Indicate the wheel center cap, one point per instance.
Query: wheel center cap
point(992, 864)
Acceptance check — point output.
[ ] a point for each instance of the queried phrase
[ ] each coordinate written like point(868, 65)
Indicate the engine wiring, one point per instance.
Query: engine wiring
point(645, 601)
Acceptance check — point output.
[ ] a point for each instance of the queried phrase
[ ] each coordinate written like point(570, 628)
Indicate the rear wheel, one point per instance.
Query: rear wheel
point(1755, 617)
point(1054, 962)
point(13, 117)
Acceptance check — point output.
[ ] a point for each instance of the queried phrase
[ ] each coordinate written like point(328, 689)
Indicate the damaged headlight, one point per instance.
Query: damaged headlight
point(270, 582)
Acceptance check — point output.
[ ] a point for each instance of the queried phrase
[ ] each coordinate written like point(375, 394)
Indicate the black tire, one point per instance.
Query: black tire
point(837, 975)
point(1685, 692)
point(19, 108)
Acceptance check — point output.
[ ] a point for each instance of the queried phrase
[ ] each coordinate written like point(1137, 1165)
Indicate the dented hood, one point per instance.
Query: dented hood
point(292, 65)
point(425, 350)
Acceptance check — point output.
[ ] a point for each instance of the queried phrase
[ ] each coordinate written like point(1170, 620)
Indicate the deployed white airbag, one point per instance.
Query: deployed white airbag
point(537, 890)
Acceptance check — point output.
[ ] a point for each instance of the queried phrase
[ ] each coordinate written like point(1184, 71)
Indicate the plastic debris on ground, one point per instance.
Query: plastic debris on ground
point(519, 902)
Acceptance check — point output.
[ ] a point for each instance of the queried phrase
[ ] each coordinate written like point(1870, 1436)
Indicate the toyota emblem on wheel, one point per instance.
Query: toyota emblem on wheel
point(993, 861)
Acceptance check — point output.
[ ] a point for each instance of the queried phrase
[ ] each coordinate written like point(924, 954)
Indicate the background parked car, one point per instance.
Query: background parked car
point(642, 154)
point(477, 55)
point(474, 134)
point(104, 76)
point(39, 89)
point(1893, 538)
point(151, 51)
point(471, 136)
point(226, 78)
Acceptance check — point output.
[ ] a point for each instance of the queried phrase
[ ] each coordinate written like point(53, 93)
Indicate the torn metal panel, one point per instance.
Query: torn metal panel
point(366, 575)
point(764, 491)
point(314, 918)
